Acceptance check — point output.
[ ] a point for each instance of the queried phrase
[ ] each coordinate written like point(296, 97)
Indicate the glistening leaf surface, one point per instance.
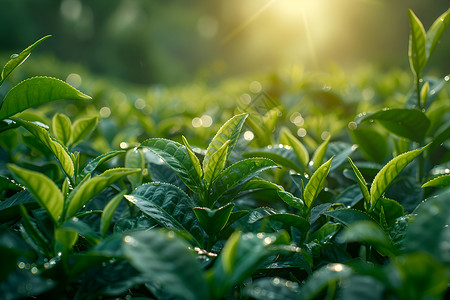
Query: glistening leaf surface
point(43, 189)
point(216, 163)
point(177, 157)
point(315, 184)
point(35, 91)
point(416, 51)
point(436, 30)
point(361, 182)
point(61, 152)
point(388, 173)
point(169, 206)
point(442, 181)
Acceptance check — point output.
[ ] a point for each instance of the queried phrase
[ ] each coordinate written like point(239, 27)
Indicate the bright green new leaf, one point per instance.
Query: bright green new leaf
point(62, 128)
point(231, 180)
point(319, 154)
point(409, 123)
point(17, 60)
point(166, 260)
point(315, 184)
point(64, 240)
point(170, 207)
point(213, 220)
point(35, 91)
point(361, 182)
point(43, 189)
point(417, 48)
point(178, 159)
point(348, 216)
point(108, 212)
point(216, 163)
point(291, 200)
point(300, 150)
point(442, 181)
point(93, 164)
point(388, 173)
point(59, 150)
point(81, 128)
point(91, 187)
point(435, 32)
point(193, 157)
point(228, 132)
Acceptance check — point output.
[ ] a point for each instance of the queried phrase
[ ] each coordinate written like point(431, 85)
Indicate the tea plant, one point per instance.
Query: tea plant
point(355, 214)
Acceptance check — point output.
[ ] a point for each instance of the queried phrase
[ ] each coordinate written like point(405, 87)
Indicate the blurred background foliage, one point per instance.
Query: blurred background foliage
point(173, 41)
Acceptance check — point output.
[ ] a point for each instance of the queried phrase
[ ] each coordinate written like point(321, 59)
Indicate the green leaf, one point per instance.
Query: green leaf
point(228, 132)
point(291, 200)
point(166, 260)
point(179, 160)
point(371, 143)
point(235, 264)
point(302, 153)
point(93, 164)
point(81, 128)
point(391, 209)
point(35, 91)
point(369, 232)
point(285, 218)
point(91, 187)
point(231, 180)
point(61, 152)
point(388, 173)
point(348, 216)
point(43, 189)
point(108, 212)
point(417, 39)
point(442, 181)
point(81, 228)
point(319, 154)
point(17, 60)
point(435, 32)
point(170, 207)
point(409, 123)
point(213, 220)
point(193, 157)
point(282, 155)
point(134, 159)
point(216, 163)
point(38, 238)
point(62, 128)
point(316, 183)
point(362, 183)
point(272, 289)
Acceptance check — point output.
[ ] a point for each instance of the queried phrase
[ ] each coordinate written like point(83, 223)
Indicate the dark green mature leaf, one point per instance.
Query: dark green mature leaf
point(282, 155)
point(315, 184)
point(371, 143)
point(435, 32)
point(387, 174)
point(409, 123)
point(417, 48)
point(358, 287)
point(17, 60)
point(213, 220)
point(371, 233)
point(62, 128)
point(329, 274)
point(81, 128)
point(9, 208)
point(291, 200)
point(37, 237)
point(272, 289)
point(228, 132)
point(361, 182)
point(82, 229)
point(35, 91)
point(166, 260)
point(285, 218)
point(108, 212)
point(91, 187)
point(59, 150)
point(348, 216)
point(341, 151)
point(216, 163)
point(300, 150)
point(442, 181)
point(170, 207)
point(234, 264)
point(231, 180)
point(429, 231)
point(93, 164)
point(43, 189)
point(177, 157)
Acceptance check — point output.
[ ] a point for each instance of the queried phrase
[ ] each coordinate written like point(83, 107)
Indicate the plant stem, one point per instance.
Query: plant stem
point(419, 106)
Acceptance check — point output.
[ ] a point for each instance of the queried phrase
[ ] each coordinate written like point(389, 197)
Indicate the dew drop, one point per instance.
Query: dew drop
point(447, 78)
point(13, 56)
point(267, 241)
